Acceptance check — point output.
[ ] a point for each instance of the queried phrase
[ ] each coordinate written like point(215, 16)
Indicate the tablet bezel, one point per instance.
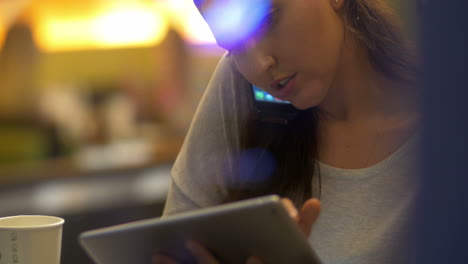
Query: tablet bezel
point(259, 226)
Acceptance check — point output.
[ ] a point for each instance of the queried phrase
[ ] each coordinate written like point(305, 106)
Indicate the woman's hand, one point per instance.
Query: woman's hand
point(305, 218)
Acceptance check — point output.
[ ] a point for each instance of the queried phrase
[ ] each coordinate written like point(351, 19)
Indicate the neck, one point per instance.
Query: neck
point(359, 92)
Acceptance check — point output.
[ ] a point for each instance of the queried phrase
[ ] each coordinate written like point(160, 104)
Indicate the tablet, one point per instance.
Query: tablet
point(232, 232)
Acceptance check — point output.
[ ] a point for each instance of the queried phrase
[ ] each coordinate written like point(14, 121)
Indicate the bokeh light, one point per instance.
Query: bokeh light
point(113, 27)
point(67, 26)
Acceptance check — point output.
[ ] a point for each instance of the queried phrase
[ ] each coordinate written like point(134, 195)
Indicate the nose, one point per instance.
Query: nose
point(257, 63)
point(261, 56)
point(265, 62)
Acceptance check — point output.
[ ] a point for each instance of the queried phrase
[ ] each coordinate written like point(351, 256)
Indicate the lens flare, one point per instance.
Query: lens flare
point(233, 21)
point(255, 166)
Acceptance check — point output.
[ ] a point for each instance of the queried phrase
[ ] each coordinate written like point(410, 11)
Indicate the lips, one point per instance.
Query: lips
point(284, 87)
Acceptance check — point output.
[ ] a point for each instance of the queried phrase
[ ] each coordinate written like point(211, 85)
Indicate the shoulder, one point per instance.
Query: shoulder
point(227, 90)
point(226, 73)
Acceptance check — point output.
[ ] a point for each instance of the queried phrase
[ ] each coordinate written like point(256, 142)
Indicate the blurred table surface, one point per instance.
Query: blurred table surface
point(164, 152)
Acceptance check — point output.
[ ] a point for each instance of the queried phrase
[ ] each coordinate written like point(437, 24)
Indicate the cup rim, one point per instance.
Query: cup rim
point(58, 222)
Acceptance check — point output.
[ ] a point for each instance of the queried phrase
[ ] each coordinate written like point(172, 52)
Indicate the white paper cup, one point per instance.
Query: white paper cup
point(30, 239)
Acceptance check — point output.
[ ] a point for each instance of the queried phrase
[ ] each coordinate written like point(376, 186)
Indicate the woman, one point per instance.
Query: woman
point(353, 145)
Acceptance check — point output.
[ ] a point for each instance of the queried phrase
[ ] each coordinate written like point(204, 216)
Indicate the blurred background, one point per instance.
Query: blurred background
point(96, 97)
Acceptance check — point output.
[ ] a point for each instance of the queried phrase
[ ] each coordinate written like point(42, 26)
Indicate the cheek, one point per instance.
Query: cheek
point(313, 50)
point(311, 40)
point(246, 68)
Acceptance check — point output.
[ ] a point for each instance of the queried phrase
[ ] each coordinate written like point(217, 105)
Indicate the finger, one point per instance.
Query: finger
point(162, 259)
point(309, 213)
point(202, 254)
point(254, 260)
point(291, 208)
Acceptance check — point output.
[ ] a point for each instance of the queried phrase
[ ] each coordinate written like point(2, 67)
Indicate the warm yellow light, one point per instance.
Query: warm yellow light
point(129, 27)
point(119, 24)
point(2, 34)
point(112, 28)
point(186, 17)
point(56, 35)
point(196, 30)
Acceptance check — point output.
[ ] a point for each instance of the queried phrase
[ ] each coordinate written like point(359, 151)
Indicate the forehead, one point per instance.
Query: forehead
point(205, 5)
point(232, 21)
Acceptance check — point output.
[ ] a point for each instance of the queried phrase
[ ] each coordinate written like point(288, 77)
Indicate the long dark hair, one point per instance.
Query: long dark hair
point(288, 154)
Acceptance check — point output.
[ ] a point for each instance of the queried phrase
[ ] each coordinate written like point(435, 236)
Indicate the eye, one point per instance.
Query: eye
point(270, 20)
point(266, 25)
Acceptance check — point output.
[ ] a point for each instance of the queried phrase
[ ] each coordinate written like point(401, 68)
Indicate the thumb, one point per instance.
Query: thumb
point(308, 215)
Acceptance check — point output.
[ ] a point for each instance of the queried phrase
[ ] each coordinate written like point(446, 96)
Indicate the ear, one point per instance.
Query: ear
point(337, 4)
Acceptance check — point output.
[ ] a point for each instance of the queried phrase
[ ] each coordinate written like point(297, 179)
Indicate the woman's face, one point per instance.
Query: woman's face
point(300, 41)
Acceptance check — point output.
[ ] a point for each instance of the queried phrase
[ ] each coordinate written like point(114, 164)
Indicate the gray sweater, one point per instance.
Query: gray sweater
point(365, 217)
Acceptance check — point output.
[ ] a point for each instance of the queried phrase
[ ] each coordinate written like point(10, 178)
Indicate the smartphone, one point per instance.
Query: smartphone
point(271, 109)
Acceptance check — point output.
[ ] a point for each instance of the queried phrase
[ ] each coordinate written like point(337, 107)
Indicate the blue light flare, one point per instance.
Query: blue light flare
point(234, 21)
point(255, 166)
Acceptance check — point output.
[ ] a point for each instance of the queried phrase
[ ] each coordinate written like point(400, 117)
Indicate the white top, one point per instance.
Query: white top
point(365, 212)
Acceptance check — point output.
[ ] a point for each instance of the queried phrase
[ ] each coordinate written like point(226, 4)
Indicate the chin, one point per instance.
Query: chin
point(308, 98)
point(300, 106)
point(304, 103)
